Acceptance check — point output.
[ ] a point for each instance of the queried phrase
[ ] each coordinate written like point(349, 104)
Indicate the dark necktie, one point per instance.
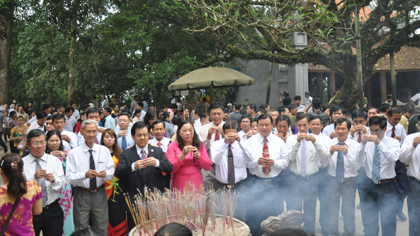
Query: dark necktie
point(376, 167)
point(143, 157)
point(231, 167)
point(92, 167)
point(217, 136)
point(359, 139)
point(41, 182)
point(393, 132)
point(339, 174)
point(123, 143)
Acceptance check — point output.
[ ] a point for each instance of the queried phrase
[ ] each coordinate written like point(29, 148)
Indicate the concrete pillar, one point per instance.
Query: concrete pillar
point(331, 84)
point(383, 86)
point(319, 84)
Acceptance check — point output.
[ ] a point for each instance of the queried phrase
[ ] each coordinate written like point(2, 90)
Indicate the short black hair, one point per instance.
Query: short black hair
point(91, 110)
point(124, 114)
point(262, 111)
point(281, 109)
point(237, 106)
point(40, 114)
point(370, 108)
point(252, 106)
point(139, 125)
point(230, 125)
point(45, 106)
point(282, 118)
point(384, 107)
point(246, 116)
point(409, 110)
point(338, 108)
point(173, 106)
point(68, 109)
point(314, 116)
point(291, 107)
point(140, 104)
point(34, 134)
point(388, 96)
point(108, 109)
point(263, 117)
point(156, 122)
point(176, 120)
point(58, 117)
point(264, 106)
point(342, 120)
point(203, 115)
point(300, 116)
point(297, 97)
point(358, 113)
point(394, 110)
point(378, 120)
point(287, 101)
point(174, 229)
point(216, 105)
point(316, 103)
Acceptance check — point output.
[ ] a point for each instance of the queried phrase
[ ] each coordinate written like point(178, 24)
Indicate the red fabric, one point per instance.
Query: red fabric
point(159, 144)
point(393, 132)
point(78, 127)
point(359, 139)
point(266, 154)
point(217, 136)
point(187, 170)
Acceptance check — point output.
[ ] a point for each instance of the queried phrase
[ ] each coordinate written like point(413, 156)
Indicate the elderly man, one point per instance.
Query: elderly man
point(91, 114)
point(88, 167)
point(47, 170)
point(142, 165)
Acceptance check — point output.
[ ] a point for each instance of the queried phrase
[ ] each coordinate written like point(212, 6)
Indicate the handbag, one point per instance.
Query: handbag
point(22, 145)
point(3, 230)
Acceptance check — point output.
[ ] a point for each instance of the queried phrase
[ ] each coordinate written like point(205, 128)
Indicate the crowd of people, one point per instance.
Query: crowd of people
point(70, 166)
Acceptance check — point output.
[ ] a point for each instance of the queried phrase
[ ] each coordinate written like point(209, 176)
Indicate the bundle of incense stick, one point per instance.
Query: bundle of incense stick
point(192, 138)
point(190, 207)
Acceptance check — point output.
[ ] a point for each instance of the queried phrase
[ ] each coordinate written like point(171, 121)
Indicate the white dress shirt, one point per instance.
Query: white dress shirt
point(204, 130)
point(219, 156)
point(35, 125)
point(300, 108)
point(78, 163)
point(197, 125)
point(326, 141)
point(69, 124)
point(31, 120)
point(411, 155)
point(81, 139)
point(164, 143)
point(243, 135)
point(52, 165)
point(76, 114)
point(399, 131)
point(328, 130)
point(72, 136)
point(315, 153)
point(350, 159)
point(308, 103)
point(146, 153)
point(389, 149)
point(356, 134)
point(276, 149)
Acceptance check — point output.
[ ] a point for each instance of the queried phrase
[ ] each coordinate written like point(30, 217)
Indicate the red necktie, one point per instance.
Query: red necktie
point(393, 132)
point(159, 144)
point(217, 136)
point(359, 139)
point(266, 154)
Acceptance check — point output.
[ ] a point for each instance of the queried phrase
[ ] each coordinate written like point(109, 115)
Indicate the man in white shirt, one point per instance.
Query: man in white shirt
point(303, 149)
point(245, 125)
point(297, 99)
point(269, 159)
point(308, 101)
point(342, 166)
point(59, 123)
point(414, 99)
point(47, 170)
point(41, 117)
point(209, 133)
point(337, 112)
point(230, 160)
point(197, 123)
point(411, 155)
point(379, 154)
point(104, 103)
point(69, 119)
point(88, 167)
point(76, 113)
point(158, 128)
point(92, 114)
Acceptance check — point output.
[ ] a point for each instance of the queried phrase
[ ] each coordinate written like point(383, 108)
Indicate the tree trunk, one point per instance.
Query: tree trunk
point(5, 53)
point(348, 95)
point(72, 52)
point(50, 96)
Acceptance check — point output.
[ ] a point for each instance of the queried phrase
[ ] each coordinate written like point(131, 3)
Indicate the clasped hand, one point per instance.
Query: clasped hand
point(93, 173)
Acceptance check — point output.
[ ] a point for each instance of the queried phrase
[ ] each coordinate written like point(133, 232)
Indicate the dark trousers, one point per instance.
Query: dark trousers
point(50, 221)
point(345, 190)
point(304, 190)
point(264, 199)
point(323, 196)
point(413, 203)
point(2, 144)
point(13, 149)
point(380, 199)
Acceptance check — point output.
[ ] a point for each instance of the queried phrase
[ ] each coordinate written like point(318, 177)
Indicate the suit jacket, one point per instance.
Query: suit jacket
point(151, 177)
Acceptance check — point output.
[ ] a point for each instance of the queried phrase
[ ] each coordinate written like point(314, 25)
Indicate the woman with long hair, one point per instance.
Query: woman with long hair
point(55, 148)
point(17, 134)
point(187, 155)
point(117, 223)
point(15, 188)
point(149, 118)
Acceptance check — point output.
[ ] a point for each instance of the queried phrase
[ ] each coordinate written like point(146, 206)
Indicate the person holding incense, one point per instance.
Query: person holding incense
point(230, 159)
point(269, 159)
point(187, 155)
point(141, 166)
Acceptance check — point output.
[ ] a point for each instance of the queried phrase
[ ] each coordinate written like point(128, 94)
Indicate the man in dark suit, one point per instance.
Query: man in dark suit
point(142, 166)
